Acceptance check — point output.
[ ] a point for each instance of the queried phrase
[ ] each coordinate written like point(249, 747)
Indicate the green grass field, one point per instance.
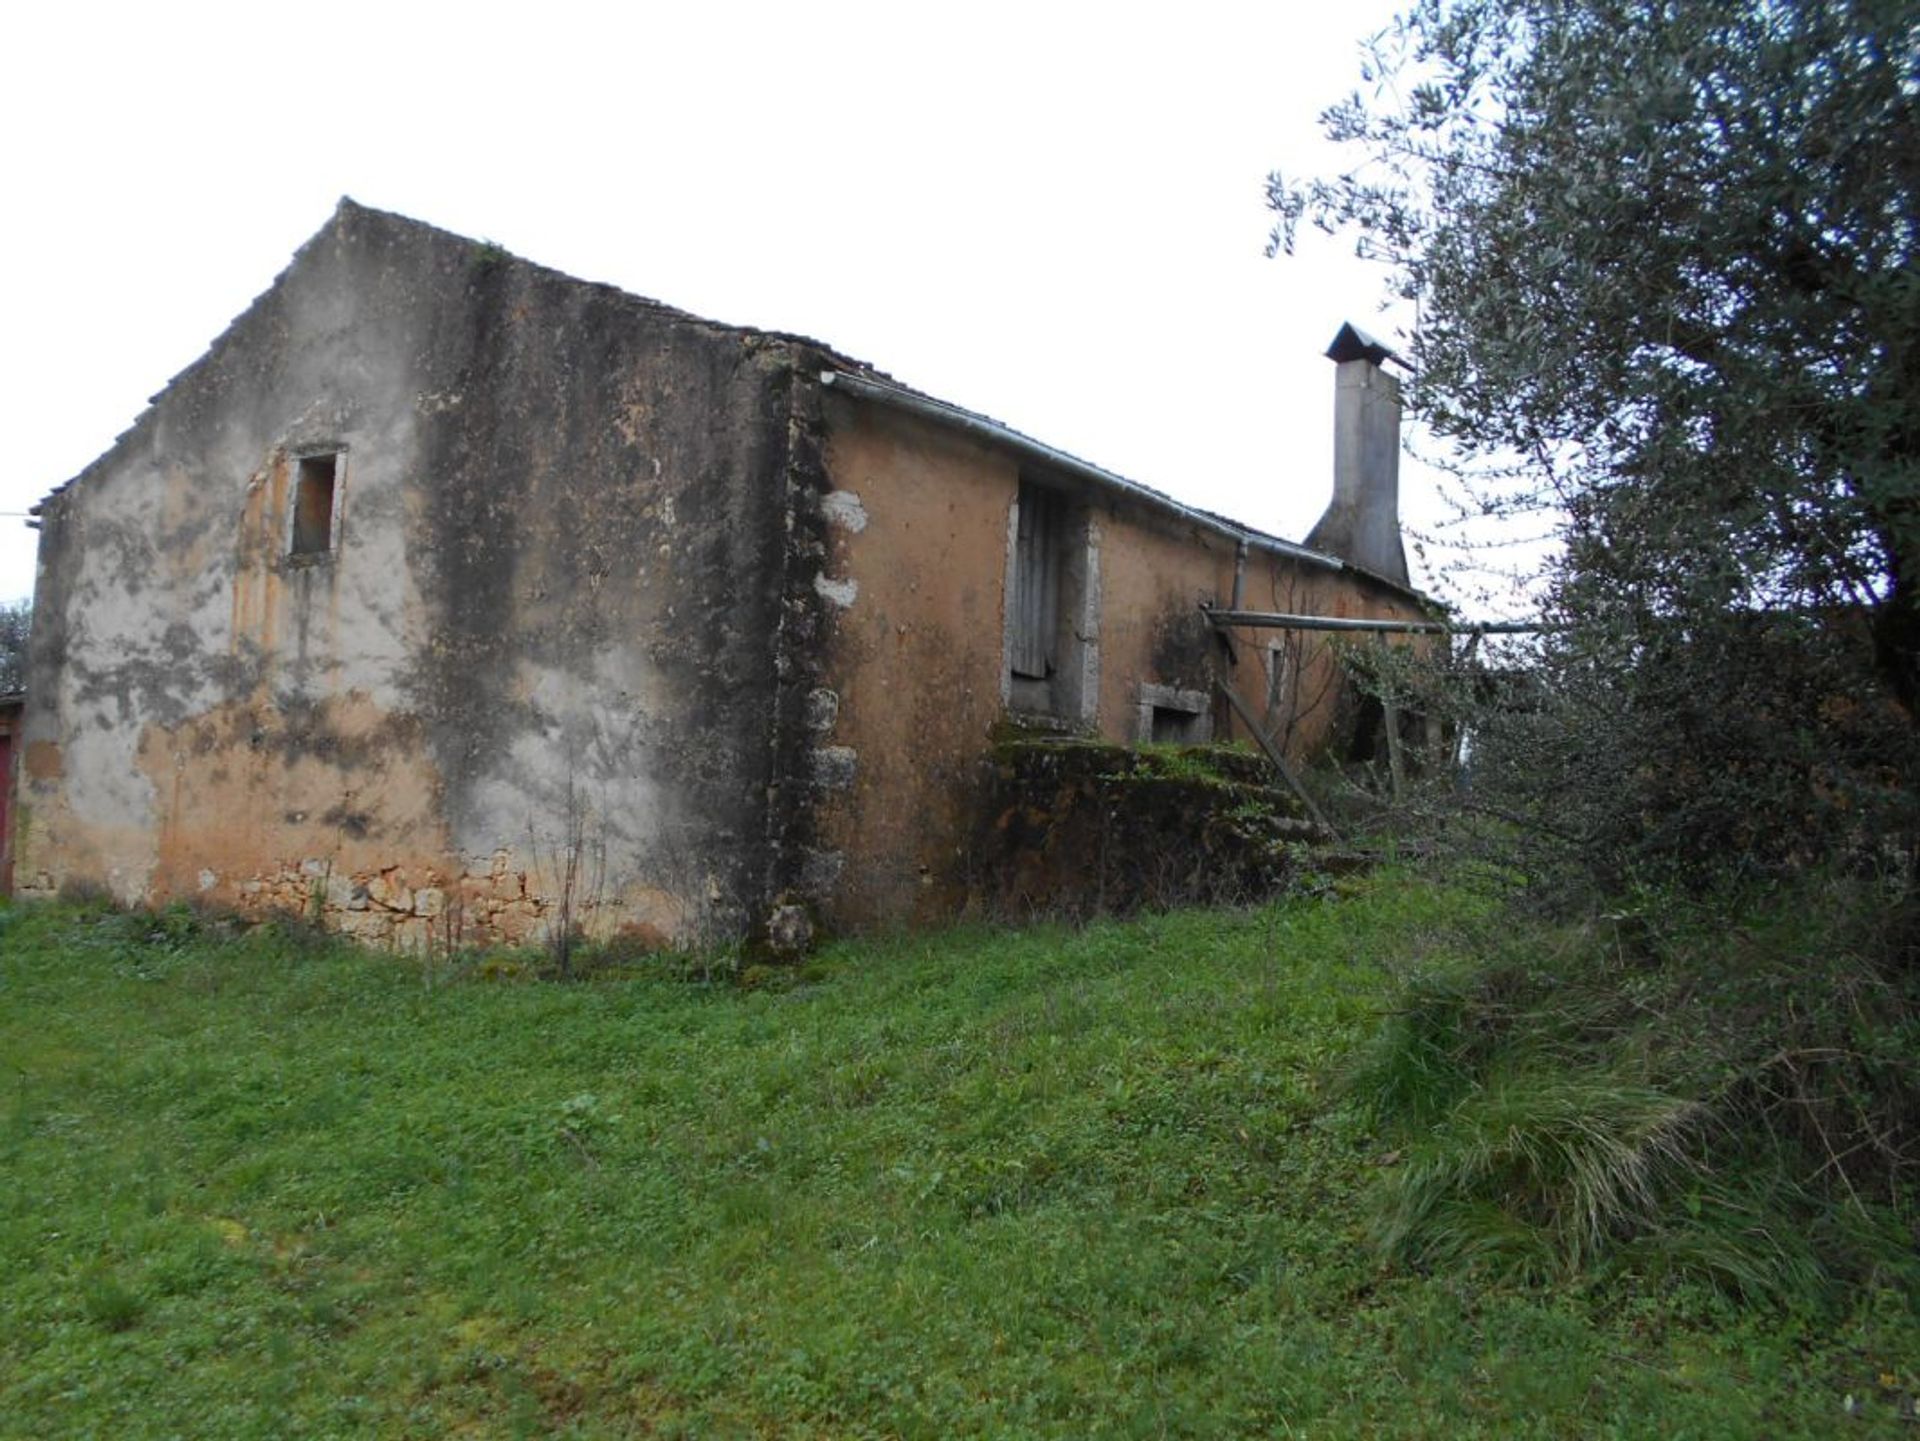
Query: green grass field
point(987, 1183)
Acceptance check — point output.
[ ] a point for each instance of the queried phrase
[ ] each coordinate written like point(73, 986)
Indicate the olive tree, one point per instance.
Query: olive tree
point(1663, 258)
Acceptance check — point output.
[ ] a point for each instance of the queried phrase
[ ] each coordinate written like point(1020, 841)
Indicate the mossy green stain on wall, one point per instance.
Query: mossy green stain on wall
point(1078, 827)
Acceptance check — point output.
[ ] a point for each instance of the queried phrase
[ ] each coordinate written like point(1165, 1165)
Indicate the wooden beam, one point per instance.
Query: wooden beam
point(1273, 752)
point(1390, 720)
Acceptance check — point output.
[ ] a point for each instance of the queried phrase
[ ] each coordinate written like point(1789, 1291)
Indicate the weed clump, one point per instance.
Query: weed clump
point(109, 1303)
point(1726, 1090)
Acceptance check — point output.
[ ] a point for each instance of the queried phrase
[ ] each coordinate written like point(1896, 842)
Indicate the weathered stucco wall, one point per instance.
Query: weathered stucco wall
point(1156, 572)
point(541, 642)
point(915, 680)
point(912, 682)
point(1310, 710)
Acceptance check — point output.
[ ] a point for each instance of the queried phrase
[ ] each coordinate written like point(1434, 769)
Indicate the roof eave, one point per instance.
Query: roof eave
point(1027, 447)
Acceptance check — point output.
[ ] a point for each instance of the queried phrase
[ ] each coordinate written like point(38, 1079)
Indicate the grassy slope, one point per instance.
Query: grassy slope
point(986, 1183)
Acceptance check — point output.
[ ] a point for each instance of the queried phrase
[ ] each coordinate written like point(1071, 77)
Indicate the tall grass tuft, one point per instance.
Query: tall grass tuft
point(109, 1303)
point(1728, 1091)
point(1567, 1159)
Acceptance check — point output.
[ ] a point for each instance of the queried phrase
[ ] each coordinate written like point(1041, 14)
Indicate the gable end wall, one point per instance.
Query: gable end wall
point(535, 681)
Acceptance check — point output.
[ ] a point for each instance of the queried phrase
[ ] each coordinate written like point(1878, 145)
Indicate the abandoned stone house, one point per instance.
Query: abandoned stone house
point(447, 594)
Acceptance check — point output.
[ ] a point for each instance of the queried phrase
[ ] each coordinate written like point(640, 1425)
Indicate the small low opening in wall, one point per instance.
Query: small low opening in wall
point(313, 487)
point(1170, 715)
point(1279, 678)
point(1177, 727)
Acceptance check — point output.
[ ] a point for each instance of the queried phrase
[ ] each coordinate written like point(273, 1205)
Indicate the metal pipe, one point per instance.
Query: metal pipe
point(1280, 620)
point(1059, 460)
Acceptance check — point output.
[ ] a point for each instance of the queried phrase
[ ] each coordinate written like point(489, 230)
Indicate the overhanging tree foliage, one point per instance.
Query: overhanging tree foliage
point(16, 619)
point(1664, 261)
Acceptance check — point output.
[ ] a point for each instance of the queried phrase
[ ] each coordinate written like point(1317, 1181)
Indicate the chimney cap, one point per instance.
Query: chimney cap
point(1353, 343)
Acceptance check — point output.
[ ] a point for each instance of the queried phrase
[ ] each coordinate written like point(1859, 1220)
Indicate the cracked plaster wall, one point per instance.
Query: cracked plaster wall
point(547, 627)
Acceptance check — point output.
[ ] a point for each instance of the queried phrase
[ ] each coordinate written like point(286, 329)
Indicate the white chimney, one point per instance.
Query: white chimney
point(1362, 523)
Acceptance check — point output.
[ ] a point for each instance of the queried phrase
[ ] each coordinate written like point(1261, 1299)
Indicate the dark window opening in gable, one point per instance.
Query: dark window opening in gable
point(315, 477)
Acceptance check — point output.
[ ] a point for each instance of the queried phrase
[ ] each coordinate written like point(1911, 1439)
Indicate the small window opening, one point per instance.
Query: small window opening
point(1277, 677)
point(1177, 726)
point(1169, 715)
point(313, 504)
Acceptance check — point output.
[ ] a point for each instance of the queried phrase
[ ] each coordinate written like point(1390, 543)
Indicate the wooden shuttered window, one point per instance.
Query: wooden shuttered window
point(1037, 562)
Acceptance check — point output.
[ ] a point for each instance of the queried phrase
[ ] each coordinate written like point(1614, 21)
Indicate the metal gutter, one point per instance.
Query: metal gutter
point(1059, 460)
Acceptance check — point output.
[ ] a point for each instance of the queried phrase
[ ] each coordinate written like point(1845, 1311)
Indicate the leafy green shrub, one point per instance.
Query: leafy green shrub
point(1748, 748)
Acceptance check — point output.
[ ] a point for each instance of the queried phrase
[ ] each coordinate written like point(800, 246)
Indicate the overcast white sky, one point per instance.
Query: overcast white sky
point(1051, 213)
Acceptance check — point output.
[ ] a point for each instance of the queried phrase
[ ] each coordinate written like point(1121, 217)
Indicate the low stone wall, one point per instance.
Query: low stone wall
point(407, 907)
point(1075, 828)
